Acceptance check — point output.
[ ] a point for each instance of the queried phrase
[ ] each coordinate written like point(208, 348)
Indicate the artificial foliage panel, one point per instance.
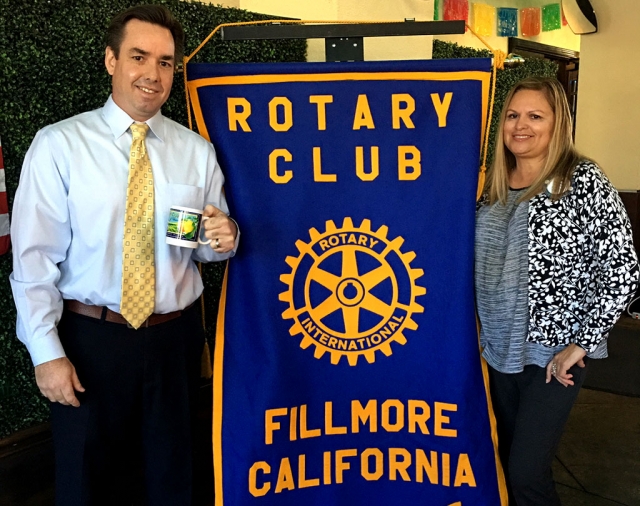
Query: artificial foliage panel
point(551, 17)
point(484, 19)
point(530, 21)
point(507, 22)
point(52, 67)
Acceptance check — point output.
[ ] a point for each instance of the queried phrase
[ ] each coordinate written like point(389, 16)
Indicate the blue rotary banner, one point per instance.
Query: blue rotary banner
point(346, 365)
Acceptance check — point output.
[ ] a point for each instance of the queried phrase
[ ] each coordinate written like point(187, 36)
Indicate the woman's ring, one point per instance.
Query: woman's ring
point(554, 368)
point(216, 244)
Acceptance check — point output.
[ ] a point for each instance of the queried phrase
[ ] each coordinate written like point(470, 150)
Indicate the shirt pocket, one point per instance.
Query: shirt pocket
point(173, 194)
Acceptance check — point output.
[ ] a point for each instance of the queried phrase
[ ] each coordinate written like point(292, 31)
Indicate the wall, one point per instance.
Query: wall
point(609, 86)
point(563, 38)
point(383, 48)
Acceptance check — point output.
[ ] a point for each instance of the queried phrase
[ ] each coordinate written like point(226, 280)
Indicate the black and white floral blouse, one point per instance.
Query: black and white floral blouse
point(583, 267)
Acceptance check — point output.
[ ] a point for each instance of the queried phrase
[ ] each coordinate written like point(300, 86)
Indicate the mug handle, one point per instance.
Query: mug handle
point(204, 218)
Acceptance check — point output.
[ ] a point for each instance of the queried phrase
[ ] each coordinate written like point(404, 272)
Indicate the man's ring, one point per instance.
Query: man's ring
point(216, 245)
point(554, 368)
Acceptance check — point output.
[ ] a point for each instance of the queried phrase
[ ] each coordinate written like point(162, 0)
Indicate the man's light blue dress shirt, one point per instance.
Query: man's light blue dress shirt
point(68, 218)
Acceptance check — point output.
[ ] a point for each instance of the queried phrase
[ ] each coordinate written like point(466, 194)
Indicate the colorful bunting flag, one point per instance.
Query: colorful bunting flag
point(437, 10)
point(530, 21)
point(487, 20)
point(507, 22)
point(551, 17)
point(484, 19)
point(456, 10)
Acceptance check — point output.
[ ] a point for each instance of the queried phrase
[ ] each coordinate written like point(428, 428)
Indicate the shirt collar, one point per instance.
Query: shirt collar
point(119, 121)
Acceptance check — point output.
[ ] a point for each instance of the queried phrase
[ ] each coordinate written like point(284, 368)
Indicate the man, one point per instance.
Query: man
point(121, 368)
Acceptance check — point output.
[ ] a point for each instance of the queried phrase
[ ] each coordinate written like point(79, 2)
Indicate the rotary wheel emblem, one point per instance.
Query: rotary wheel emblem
point(351, 292)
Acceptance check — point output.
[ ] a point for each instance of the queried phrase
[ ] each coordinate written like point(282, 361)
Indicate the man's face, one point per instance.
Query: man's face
point(142, 74)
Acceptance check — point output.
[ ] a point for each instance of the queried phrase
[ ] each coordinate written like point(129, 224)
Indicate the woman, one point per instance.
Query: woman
point(555, 267)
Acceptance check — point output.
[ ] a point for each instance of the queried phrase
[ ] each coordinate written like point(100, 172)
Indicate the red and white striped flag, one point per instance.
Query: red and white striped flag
point(5, 239)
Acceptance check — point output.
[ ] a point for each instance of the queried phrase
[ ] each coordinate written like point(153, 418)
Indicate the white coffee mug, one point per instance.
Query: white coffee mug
point(183, 227)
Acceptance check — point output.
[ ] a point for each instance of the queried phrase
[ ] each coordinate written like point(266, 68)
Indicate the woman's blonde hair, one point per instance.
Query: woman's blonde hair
point(562, 156)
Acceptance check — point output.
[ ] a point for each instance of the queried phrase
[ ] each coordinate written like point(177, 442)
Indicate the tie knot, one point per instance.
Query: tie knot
point(139, 130)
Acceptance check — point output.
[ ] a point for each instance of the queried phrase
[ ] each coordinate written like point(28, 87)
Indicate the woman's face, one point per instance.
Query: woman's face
point(528, 125)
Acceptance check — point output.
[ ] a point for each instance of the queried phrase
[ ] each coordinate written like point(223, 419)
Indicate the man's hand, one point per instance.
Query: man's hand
point(563, 361)
point(220, 229)
point(58, 381)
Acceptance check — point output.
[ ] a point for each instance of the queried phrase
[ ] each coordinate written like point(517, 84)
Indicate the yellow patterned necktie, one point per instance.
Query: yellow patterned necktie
point(138, 260)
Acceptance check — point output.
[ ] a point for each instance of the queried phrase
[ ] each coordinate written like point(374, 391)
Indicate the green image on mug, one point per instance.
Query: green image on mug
point(185, 228)
point(189, 227)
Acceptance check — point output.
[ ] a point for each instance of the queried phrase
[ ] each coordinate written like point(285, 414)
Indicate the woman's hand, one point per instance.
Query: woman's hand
point(563, 361)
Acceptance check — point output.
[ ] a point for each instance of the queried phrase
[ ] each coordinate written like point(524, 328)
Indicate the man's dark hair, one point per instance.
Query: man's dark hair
point(154, 14)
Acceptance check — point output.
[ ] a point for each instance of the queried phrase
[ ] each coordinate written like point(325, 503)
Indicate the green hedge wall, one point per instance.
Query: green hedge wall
point(505, 79)
point(52, 67)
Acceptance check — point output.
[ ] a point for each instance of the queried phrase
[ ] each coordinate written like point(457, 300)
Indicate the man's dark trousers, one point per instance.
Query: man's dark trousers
point(133, 432)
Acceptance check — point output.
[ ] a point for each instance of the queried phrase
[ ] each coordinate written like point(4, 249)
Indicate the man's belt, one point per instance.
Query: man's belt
point(101, 312)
